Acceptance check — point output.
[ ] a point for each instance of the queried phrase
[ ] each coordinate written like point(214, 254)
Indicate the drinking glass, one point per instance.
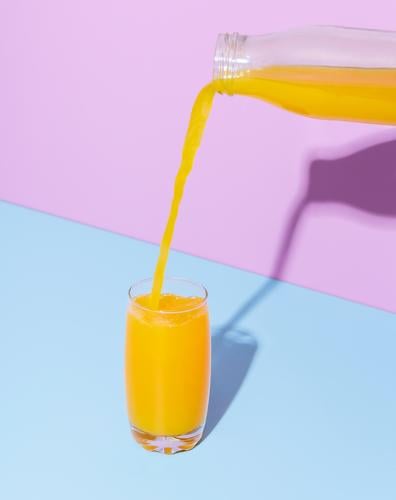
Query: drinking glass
point(167, 365)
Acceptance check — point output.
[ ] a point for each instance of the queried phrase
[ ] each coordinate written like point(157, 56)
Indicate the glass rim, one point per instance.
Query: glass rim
point(199, 286)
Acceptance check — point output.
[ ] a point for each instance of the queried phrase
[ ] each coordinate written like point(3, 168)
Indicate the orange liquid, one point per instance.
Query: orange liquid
point(167, 365)
point(353, 94)
point(199, 115)
point(365, 95)
point(167, 356)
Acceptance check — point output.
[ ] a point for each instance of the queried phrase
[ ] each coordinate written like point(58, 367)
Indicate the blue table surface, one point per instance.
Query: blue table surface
point(303, 399)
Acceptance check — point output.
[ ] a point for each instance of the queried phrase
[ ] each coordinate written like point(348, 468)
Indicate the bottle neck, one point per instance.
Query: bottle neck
point(229, 61)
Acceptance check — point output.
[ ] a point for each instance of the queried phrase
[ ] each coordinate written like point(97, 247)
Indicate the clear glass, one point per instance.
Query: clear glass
point(320, 71)
point(167, 365)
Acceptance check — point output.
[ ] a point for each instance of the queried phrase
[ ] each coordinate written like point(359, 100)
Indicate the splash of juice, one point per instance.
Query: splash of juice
point(354, 94)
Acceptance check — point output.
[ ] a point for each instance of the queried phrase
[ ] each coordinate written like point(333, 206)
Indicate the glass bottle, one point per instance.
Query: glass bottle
point(319, 71)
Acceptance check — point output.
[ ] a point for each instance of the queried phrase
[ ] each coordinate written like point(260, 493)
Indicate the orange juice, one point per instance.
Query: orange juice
point(356, 94)
point(168, 348)
point(167, 366)
point(199, 115)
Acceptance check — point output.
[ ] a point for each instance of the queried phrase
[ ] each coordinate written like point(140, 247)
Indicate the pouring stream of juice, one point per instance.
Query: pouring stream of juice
point(199, 115)
point(355, 94)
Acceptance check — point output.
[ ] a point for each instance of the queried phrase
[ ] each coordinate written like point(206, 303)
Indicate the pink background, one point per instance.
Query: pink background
point(95, 98)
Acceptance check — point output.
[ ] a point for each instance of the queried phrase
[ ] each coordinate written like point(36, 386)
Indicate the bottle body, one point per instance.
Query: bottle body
point(322, 72)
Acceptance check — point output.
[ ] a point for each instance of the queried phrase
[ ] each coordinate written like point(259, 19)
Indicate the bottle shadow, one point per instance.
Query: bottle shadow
point(364, 180)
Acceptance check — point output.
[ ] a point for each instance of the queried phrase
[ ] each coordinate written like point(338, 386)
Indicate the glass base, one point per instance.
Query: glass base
point(167, 444)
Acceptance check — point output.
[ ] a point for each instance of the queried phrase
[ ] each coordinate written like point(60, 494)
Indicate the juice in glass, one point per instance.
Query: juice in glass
point(168, 365)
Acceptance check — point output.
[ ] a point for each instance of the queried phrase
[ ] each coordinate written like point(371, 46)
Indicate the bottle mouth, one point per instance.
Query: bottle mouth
point(228, 59)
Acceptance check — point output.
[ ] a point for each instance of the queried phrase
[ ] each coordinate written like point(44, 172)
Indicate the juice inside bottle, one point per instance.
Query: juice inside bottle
point(366, 95)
